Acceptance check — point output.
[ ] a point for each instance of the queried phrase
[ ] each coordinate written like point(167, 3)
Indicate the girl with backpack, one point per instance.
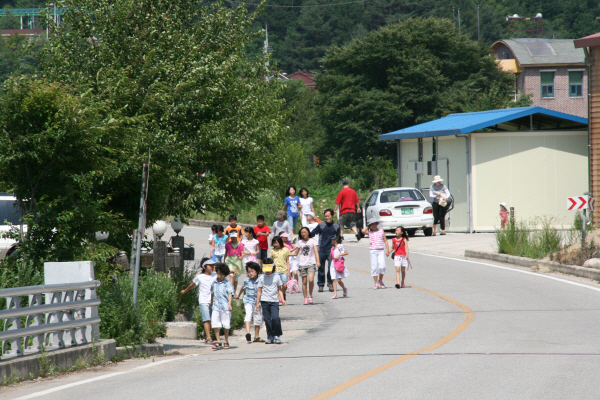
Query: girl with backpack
point(338, 270)
point(400, 244)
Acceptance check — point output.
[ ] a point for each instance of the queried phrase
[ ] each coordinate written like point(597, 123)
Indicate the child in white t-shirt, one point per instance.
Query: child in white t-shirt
point(250, 243)
point(337, 254)
point(204, 281)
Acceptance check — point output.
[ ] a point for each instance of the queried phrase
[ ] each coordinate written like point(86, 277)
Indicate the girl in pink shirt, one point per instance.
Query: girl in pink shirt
point(378, 246)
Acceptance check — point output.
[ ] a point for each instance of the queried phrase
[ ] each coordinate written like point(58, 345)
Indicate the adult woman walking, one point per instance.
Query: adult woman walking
point(307, 205)
point(441, 202)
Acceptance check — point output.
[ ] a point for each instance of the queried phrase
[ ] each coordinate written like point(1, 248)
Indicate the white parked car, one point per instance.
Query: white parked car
point(8, 213)
point(399, 206)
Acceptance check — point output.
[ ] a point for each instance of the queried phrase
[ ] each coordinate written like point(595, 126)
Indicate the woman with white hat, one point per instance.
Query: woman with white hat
point(440, 195)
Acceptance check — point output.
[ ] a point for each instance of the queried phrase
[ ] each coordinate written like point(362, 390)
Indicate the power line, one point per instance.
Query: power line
point(316, 5)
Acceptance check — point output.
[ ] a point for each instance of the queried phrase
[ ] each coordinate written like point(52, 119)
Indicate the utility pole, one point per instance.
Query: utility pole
point(141, 225)
point(478, 23)
point(459, 21)
point(453, 18)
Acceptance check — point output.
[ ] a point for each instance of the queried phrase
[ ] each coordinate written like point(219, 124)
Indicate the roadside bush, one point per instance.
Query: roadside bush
point(534, 239)
point(182, 277)
point(157, 303)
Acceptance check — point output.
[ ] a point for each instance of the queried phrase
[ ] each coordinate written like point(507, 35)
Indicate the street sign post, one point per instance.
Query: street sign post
point(581, 203)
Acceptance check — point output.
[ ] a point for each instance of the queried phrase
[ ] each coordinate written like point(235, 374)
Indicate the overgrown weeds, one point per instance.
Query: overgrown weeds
point(536, 238)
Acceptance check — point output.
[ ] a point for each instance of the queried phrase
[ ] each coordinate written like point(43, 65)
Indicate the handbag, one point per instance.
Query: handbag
point(292, 286)
point(338, 264)
point(396, 249)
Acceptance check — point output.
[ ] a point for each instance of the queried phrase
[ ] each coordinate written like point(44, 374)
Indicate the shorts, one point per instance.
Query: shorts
point(377, 262)
point(219, 257)
point(347, 220)
point(252, 315)
point(221, 319)
point(400, 261)
point(308, 270)
point(284, 277)
point(263, 254)
point(205, 311)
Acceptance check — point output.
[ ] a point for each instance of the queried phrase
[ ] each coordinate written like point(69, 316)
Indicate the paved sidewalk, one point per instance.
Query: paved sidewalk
point(451, 244)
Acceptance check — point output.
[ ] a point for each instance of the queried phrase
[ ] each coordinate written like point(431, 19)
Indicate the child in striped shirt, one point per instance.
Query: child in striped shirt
point(377, 242)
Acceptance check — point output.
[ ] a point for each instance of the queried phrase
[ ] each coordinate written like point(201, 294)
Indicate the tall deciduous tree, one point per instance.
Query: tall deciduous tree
point(211, 117)
point(405, 73)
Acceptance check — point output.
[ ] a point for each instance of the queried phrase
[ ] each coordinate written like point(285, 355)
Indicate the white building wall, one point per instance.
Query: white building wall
point(532, 171)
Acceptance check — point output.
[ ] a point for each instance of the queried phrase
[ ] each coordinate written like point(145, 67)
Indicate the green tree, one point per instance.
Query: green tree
point(54, 141)
point(403, 74)
point(210, 117)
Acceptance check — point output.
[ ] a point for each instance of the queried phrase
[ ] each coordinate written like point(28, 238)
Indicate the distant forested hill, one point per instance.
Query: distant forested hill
point(301, 35)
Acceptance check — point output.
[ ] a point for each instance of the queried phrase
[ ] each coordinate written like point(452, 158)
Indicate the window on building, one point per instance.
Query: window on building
point(547, 82)
point(575, 83)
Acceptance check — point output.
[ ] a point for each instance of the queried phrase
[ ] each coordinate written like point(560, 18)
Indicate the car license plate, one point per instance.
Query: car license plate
point(407, 211)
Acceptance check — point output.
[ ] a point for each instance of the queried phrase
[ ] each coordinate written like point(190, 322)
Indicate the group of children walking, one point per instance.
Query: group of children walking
point(265, 286)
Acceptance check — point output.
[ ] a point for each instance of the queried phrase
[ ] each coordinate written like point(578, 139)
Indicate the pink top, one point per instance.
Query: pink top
point(231, 251)
point(376, 240)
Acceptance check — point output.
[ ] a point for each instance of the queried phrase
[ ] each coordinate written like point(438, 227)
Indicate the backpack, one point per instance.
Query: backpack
point(292, 286)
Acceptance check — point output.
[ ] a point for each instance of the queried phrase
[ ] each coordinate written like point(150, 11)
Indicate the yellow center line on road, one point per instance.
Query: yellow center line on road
point(469, 315)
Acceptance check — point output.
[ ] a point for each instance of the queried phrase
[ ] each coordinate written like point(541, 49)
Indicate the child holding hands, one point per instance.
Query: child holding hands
point(222, 295)
point(377, 241)
point(204, 282)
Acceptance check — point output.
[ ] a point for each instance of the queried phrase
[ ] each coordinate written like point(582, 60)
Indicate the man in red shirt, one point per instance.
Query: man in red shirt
point(262, 235)
point(347, 202)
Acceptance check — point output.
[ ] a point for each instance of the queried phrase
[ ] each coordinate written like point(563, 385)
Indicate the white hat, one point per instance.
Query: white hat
point(208, 262)
point(308, 213)
point(503, 204)
point(372, 221)
point(437, 178)
point(233, 234)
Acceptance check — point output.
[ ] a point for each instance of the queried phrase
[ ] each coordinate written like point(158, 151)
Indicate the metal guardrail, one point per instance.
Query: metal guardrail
point(57, 316)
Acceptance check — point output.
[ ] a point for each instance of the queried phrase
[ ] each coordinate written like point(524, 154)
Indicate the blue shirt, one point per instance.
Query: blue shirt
point(221, 291)
point(251, 287)
point(292, 206)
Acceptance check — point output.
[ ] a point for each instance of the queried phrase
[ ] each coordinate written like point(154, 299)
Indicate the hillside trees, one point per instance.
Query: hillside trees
point(403, 74)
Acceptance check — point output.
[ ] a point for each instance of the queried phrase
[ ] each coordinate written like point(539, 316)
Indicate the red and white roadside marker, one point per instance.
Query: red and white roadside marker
point(579, 203)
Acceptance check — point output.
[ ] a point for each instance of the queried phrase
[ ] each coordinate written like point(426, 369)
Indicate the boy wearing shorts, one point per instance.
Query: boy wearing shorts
point(222, 295)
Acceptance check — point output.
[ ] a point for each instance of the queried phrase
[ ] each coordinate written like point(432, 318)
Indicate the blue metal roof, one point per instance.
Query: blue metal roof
point(504, 119)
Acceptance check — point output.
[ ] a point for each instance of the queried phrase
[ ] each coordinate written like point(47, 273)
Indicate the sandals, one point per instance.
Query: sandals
point(258, 340)
point(218, 345)
point(381, 285)
point(345, 292)
point(334, 297)
point(226, 345)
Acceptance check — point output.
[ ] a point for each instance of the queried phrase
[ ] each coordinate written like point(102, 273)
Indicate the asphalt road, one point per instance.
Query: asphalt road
point(461, 330)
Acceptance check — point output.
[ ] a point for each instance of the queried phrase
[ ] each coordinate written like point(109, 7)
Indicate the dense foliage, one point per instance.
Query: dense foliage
point(301, 35)
point(127, 79)
point(403, 74)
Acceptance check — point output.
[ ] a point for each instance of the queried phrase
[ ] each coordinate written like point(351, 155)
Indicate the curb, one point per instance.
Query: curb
point(583, 272)
point(24, 367)
point(141, 350)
